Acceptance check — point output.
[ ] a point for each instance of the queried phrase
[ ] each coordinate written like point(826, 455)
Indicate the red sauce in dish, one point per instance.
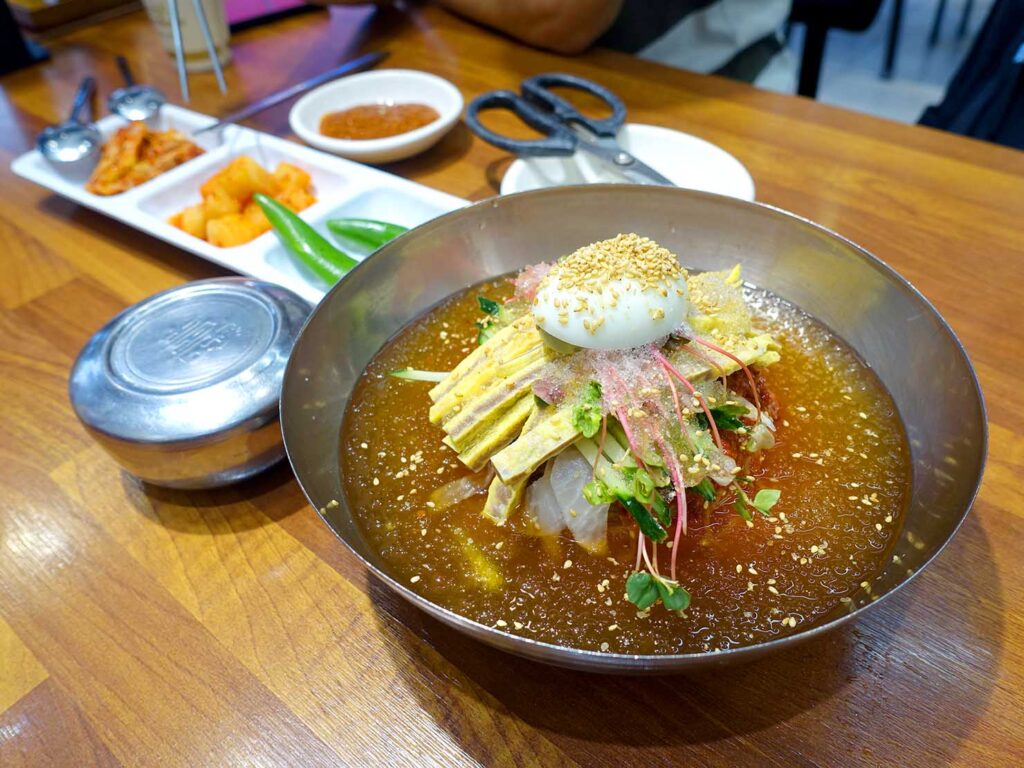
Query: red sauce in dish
point(376, 121)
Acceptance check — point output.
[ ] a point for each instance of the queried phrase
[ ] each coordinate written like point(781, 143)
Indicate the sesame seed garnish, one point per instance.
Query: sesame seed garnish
point(627, 257)
point(414, 579)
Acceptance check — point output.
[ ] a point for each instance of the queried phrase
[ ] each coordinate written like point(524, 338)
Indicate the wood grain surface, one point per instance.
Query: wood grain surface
point(141, 626)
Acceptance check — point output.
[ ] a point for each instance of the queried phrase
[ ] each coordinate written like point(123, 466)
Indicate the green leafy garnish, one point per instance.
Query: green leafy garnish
point(706, 489)
point(650, 527)
point(644, 589)
point(412, 374)
point(641, 590)
point(726, 417)
point(587, 414)
point(674, 597)
point(765, 499)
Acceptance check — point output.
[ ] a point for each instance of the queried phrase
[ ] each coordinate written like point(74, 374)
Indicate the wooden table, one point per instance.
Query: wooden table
point(141, 626)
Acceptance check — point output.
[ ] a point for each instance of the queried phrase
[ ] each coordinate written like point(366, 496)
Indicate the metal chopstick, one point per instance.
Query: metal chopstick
point(211, 49)
point(179, 48)
point(126, 72)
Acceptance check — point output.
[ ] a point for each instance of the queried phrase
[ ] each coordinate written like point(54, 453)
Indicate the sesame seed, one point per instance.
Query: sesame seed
point(501, 623)
point(414, 579)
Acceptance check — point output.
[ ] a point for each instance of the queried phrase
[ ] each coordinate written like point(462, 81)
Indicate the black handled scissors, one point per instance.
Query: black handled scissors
point(566, 129)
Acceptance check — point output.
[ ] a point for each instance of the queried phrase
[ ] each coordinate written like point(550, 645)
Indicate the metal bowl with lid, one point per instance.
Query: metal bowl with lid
point(182, 389)
point(891, 325)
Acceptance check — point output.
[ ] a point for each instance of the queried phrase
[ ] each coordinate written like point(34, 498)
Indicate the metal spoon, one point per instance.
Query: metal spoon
point(73, 147)
point(133, 102)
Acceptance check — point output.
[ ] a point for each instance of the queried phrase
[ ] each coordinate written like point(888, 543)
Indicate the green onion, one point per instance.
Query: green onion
point(641, 590)
point(649, 527)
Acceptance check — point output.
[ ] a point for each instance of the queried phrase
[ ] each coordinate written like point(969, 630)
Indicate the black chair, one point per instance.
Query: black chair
point(16, 51)
point(818, 17)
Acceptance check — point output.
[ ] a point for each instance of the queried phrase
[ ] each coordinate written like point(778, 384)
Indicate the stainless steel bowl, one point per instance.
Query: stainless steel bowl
point(182, 389)
point(883, 317)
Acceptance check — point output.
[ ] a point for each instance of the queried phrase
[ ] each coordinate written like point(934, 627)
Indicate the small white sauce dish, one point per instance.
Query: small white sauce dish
point(385, 86)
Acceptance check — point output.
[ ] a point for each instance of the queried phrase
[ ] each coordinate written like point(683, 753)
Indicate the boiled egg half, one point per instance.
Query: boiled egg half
point(614, 294)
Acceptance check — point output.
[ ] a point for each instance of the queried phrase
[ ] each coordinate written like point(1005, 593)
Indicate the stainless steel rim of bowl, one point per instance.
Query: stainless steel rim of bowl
point(459, 234)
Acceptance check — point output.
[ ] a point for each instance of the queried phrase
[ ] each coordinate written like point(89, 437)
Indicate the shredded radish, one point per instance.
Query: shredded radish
point(461, 488)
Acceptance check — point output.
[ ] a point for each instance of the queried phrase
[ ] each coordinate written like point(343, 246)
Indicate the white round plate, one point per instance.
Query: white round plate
point(385, 86)
point(688, 161)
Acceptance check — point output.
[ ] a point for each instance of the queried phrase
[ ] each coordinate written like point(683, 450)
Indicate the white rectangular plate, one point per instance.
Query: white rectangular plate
point(342, 188)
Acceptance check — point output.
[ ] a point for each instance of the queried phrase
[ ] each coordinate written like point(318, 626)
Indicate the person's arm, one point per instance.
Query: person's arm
point(563, 26)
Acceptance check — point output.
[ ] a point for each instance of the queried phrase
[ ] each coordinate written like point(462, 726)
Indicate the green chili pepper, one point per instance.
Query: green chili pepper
point(307, 245)
point(364, 234)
